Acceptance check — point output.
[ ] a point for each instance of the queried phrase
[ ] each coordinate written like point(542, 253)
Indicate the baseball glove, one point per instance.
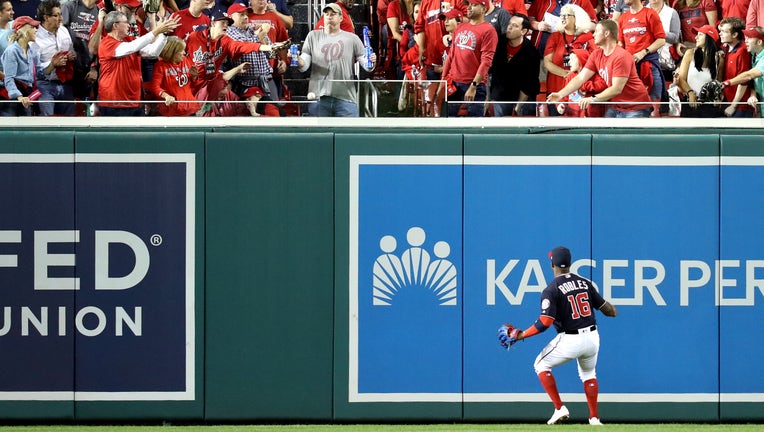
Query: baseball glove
point(151, 6)
point(508, 335)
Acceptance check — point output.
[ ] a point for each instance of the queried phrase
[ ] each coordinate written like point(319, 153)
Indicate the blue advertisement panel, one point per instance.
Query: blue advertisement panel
point(516, 210)
point(406, 289)
point(655, 239)
point(740, 278)
point(37, 202)
point(98, 268)
point(644, 229)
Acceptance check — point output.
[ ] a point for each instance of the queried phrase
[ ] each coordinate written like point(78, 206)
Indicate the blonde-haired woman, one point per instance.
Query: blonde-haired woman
point(21, 62)
point(172, 78)
point(574, 32)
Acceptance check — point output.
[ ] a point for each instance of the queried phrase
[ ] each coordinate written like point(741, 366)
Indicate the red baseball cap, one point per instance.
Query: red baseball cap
point(129, 3)
point(253, 91)
point(754, 32)
point(451, 13)
point(236, 8)
point(708, 31)
point(483, 3)
point(22, 21)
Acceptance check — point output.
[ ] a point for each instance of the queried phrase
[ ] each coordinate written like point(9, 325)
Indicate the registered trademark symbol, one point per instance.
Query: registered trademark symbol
point(156, 240)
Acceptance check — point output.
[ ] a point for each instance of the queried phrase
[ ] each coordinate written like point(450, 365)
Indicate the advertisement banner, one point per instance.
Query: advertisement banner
point(445, 249)
point(97, 270)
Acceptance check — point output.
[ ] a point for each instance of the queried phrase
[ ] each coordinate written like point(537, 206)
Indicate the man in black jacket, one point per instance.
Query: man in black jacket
point(516, 71)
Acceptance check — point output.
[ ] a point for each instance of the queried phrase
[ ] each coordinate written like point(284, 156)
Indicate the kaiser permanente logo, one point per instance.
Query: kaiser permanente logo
point(414, 270)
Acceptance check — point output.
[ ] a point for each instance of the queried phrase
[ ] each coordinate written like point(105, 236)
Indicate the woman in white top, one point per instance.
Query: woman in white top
point(700, 65)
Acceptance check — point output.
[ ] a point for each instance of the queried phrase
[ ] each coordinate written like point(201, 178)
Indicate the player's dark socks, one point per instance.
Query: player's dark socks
point(592, 389)
point(550, 385)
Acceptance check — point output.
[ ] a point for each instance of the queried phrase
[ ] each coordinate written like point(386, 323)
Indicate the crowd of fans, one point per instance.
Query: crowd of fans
point(581, 58)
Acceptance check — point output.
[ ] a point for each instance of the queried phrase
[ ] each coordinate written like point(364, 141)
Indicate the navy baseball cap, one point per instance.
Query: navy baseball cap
point(560, 257)
point(221, 16)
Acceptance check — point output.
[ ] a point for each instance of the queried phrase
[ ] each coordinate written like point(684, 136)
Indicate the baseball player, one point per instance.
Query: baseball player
point(568, 302)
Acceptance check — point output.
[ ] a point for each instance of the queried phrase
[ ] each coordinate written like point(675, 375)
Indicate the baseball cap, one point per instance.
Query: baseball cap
point(253, 91)
point(221, 16)
point(708, 31)
point(560, 257)
point(22, 21)
point(236, 8)
point(451, 13)
point(128, 3)
point(754, 32)
point(334, 7)
point(484, 3)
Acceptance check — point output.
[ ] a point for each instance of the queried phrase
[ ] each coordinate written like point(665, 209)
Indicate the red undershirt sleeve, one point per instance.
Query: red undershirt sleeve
point(543, 321)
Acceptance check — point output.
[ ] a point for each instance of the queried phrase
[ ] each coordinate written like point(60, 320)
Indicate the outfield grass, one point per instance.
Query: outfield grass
point(663, 427)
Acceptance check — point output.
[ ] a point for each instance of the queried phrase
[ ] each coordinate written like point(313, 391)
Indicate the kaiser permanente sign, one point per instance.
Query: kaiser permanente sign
point(97, 272)
point(674, 241)
point(645, 285)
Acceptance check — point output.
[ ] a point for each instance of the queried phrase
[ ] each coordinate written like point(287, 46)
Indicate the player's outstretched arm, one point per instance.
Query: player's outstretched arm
point(540, 326)
point(609, 310)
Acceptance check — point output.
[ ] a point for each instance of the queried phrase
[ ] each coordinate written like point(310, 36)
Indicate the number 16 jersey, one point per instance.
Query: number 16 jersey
point(570, 300)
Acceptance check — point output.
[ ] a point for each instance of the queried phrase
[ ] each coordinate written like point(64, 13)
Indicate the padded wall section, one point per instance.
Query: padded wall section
point(164, 275)
point(139, 202)
point(37, 333)
point(523, 196)
point(269, 276)
point(655, 237)
point(399, 290)
point(740, 278)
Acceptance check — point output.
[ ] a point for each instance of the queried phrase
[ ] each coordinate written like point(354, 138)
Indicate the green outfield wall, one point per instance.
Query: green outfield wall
point(253, 257)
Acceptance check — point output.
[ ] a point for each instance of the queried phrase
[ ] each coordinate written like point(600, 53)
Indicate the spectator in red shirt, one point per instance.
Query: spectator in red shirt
point(173, 74)
point(208, 49)
point(193, 18)
point(545, 15)
point(694, 14)
point(755, 15)
point(735, 8)
point(347, 22)
point(399, 16)
point(574, 32)
point(640, 32)
point(120, 57)
point(127, 7)
point(736, 61)
point(428, 32)
point(400, 28)
point(514, 7)
point(616, 66)
point(259, 14)
point(595, 85)
point(471, 54)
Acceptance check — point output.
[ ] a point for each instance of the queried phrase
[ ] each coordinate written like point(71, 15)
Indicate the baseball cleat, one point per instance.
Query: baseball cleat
point(559, 415)
point(594, 421)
